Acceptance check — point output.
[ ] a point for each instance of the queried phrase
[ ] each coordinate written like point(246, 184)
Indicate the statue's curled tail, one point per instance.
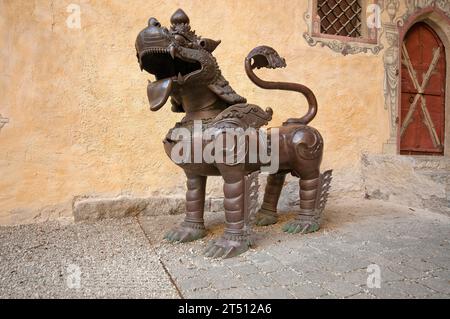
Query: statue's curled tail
point(266, 57)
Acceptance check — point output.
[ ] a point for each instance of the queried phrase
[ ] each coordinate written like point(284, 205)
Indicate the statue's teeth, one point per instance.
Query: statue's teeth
point(172, 52)
point(180, 78)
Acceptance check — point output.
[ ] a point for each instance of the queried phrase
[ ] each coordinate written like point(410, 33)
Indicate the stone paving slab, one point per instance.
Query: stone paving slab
point(127, 258)
point(410, 247)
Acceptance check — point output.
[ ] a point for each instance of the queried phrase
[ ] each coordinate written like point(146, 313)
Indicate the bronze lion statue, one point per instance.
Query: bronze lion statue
point(186, 72)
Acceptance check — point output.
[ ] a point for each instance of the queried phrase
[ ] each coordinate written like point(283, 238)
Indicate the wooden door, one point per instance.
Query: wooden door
point(422, 117)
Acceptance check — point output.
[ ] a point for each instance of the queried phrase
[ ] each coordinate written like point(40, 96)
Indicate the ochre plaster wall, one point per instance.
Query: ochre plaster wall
point(79, 123)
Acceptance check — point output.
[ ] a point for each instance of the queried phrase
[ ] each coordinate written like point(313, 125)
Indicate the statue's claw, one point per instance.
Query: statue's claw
point(301, 226)
point(185, 233)
point(226, 248)
point(265, 218)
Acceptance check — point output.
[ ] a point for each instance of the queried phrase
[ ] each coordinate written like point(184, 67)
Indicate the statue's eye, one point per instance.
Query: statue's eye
point(180, 39)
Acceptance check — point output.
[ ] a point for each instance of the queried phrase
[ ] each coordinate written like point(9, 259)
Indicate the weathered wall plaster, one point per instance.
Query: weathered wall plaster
point(81, 125)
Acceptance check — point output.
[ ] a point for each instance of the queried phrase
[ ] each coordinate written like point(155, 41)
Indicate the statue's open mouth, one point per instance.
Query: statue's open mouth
point(168, 68)
point(164, 63)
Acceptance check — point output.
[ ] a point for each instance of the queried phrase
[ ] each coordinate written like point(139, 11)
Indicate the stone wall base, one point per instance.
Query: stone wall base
point(345, 184)
point(416, 181)
point(90, 209)
point(422, 182)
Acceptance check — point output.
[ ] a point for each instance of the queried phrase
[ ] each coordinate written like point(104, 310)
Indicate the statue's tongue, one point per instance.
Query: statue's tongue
point(158, 92)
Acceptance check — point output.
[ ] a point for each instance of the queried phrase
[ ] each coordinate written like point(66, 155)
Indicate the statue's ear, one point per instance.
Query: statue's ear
point(209, 44)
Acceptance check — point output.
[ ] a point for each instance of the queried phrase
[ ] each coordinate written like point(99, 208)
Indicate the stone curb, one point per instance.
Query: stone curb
point(92, 209)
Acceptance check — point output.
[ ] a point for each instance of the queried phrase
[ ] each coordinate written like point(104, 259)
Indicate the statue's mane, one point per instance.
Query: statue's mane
point(222, 88)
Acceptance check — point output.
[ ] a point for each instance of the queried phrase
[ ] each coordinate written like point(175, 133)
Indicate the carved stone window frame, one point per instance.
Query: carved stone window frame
point(369, 42)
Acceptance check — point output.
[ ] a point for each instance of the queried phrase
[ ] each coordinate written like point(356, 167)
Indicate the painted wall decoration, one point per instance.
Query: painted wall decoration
point(391, 71)
point(391, 79)
point(414, 5)
point(3, 121)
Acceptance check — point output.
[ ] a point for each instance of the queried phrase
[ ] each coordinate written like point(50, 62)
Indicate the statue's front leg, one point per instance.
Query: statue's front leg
point(235, 239)
point(193, 227)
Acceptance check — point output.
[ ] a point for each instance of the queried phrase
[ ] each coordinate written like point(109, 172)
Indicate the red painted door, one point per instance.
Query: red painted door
point(422, 117)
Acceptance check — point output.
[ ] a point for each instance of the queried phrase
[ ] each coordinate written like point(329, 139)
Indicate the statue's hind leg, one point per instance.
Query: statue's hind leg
point(307, 144)
point(306, 220)
point(192, 228)
point(313, 197)
point(267, 215)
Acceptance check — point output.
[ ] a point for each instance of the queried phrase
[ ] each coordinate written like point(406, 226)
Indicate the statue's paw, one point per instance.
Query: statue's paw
point(301, 226)
point(265, 218)
point(226, 248)
point(185, 233)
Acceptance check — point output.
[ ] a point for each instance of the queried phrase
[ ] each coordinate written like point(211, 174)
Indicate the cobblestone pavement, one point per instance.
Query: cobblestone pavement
point(128, 258)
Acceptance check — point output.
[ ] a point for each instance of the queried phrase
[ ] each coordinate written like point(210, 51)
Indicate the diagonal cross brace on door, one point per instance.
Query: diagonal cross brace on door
point(419, 96)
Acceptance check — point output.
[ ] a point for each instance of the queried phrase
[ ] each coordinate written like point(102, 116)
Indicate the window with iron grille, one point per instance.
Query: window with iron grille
point(340, 17)
point(343, 25)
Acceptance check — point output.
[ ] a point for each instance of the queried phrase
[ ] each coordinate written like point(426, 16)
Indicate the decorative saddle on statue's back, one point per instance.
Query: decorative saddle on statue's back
point(186, 72)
